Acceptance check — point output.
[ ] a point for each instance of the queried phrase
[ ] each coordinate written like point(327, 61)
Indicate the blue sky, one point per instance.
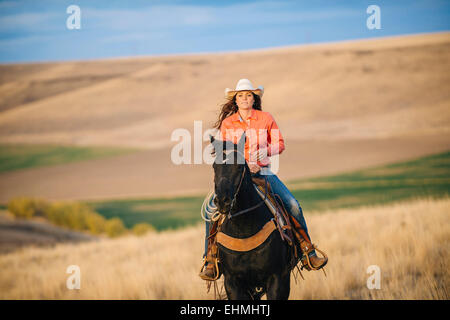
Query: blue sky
point(36, 30)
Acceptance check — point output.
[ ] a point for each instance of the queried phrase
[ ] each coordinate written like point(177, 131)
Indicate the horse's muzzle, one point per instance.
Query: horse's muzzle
point(223, 205)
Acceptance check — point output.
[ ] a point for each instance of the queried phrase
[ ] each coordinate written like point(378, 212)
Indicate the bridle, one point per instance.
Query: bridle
point(233, 201)
point(230, 216)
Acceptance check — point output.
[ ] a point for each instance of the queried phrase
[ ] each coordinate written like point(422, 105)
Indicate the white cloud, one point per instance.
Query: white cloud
point(28, 22)
point(156, 17)
point(169, 17)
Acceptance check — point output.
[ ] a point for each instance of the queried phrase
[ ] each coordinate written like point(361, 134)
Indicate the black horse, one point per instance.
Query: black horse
point(265, 269)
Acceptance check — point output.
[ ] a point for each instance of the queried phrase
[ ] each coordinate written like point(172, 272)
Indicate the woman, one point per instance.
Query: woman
point(243, 112)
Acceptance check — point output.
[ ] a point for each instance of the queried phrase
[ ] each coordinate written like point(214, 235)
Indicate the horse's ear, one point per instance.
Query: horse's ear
point(215, 142)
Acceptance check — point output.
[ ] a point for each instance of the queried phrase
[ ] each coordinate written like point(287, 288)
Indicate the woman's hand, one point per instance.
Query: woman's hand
point(260, 154)
point(254, 168)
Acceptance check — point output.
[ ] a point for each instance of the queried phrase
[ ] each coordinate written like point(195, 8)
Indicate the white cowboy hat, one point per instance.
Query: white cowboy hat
point(244, 85)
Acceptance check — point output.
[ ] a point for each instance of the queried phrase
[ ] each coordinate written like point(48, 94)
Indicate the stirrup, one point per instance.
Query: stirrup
point(215, 267)
point(306, 263)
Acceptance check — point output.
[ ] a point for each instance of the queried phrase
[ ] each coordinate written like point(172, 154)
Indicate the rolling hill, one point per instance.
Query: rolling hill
point(340, 106)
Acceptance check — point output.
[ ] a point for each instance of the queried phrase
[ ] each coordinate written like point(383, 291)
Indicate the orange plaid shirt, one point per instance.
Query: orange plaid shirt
point(261, 131)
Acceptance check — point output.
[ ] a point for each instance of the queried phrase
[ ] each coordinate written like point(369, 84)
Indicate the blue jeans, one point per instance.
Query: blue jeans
point(290, 203)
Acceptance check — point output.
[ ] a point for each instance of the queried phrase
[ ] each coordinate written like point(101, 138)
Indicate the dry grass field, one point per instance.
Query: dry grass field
point(409, 241)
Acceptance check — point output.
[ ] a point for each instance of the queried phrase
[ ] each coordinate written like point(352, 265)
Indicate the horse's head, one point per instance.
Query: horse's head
point(229, 166)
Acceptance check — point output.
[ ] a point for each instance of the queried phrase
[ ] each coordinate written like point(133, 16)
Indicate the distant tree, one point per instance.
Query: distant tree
point(114, 227)
point(72, 215)
point(142, 228)
point(23, 207)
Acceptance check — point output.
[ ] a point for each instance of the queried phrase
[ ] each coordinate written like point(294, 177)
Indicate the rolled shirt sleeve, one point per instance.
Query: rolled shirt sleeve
point(274, 139)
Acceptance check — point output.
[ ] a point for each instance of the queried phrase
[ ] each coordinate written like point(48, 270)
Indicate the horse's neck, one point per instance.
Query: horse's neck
point(250, 222)
point(247, 195)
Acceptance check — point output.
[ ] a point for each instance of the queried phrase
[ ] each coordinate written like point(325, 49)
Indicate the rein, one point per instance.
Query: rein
point(230, 216)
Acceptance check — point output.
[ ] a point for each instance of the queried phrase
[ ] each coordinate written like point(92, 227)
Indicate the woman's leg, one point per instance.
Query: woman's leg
point(291, 204)
point(293, 207)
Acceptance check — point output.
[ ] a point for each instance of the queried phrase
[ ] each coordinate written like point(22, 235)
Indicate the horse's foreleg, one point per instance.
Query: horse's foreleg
point(278, 287)
point(234, 291)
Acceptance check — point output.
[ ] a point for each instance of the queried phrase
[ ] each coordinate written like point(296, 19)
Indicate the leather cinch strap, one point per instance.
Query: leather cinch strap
point(247, 244)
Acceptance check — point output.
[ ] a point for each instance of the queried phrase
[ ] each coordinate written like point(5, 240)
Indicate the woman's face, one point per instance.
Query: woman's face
point(245, 99)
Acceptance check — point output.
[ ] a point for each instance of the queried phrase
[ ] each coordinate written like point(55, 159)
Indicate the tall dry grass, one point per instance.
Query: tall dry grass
point(409, 241)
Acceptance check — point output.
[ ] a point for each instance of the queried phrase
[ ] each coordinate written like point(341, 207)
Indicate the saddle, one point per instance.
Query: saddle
point(290, 230)
point(276, 206)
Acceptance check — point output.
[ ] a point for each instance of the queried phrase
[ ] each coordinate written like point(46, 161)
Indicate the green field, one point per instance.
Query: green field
point(22, 156)
point(163, 213)
point(426, 176)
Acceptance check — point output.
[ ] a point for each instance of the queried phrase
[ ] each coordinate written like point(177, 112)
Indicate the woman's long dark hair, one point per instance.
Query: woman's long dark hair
point(230, 107)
